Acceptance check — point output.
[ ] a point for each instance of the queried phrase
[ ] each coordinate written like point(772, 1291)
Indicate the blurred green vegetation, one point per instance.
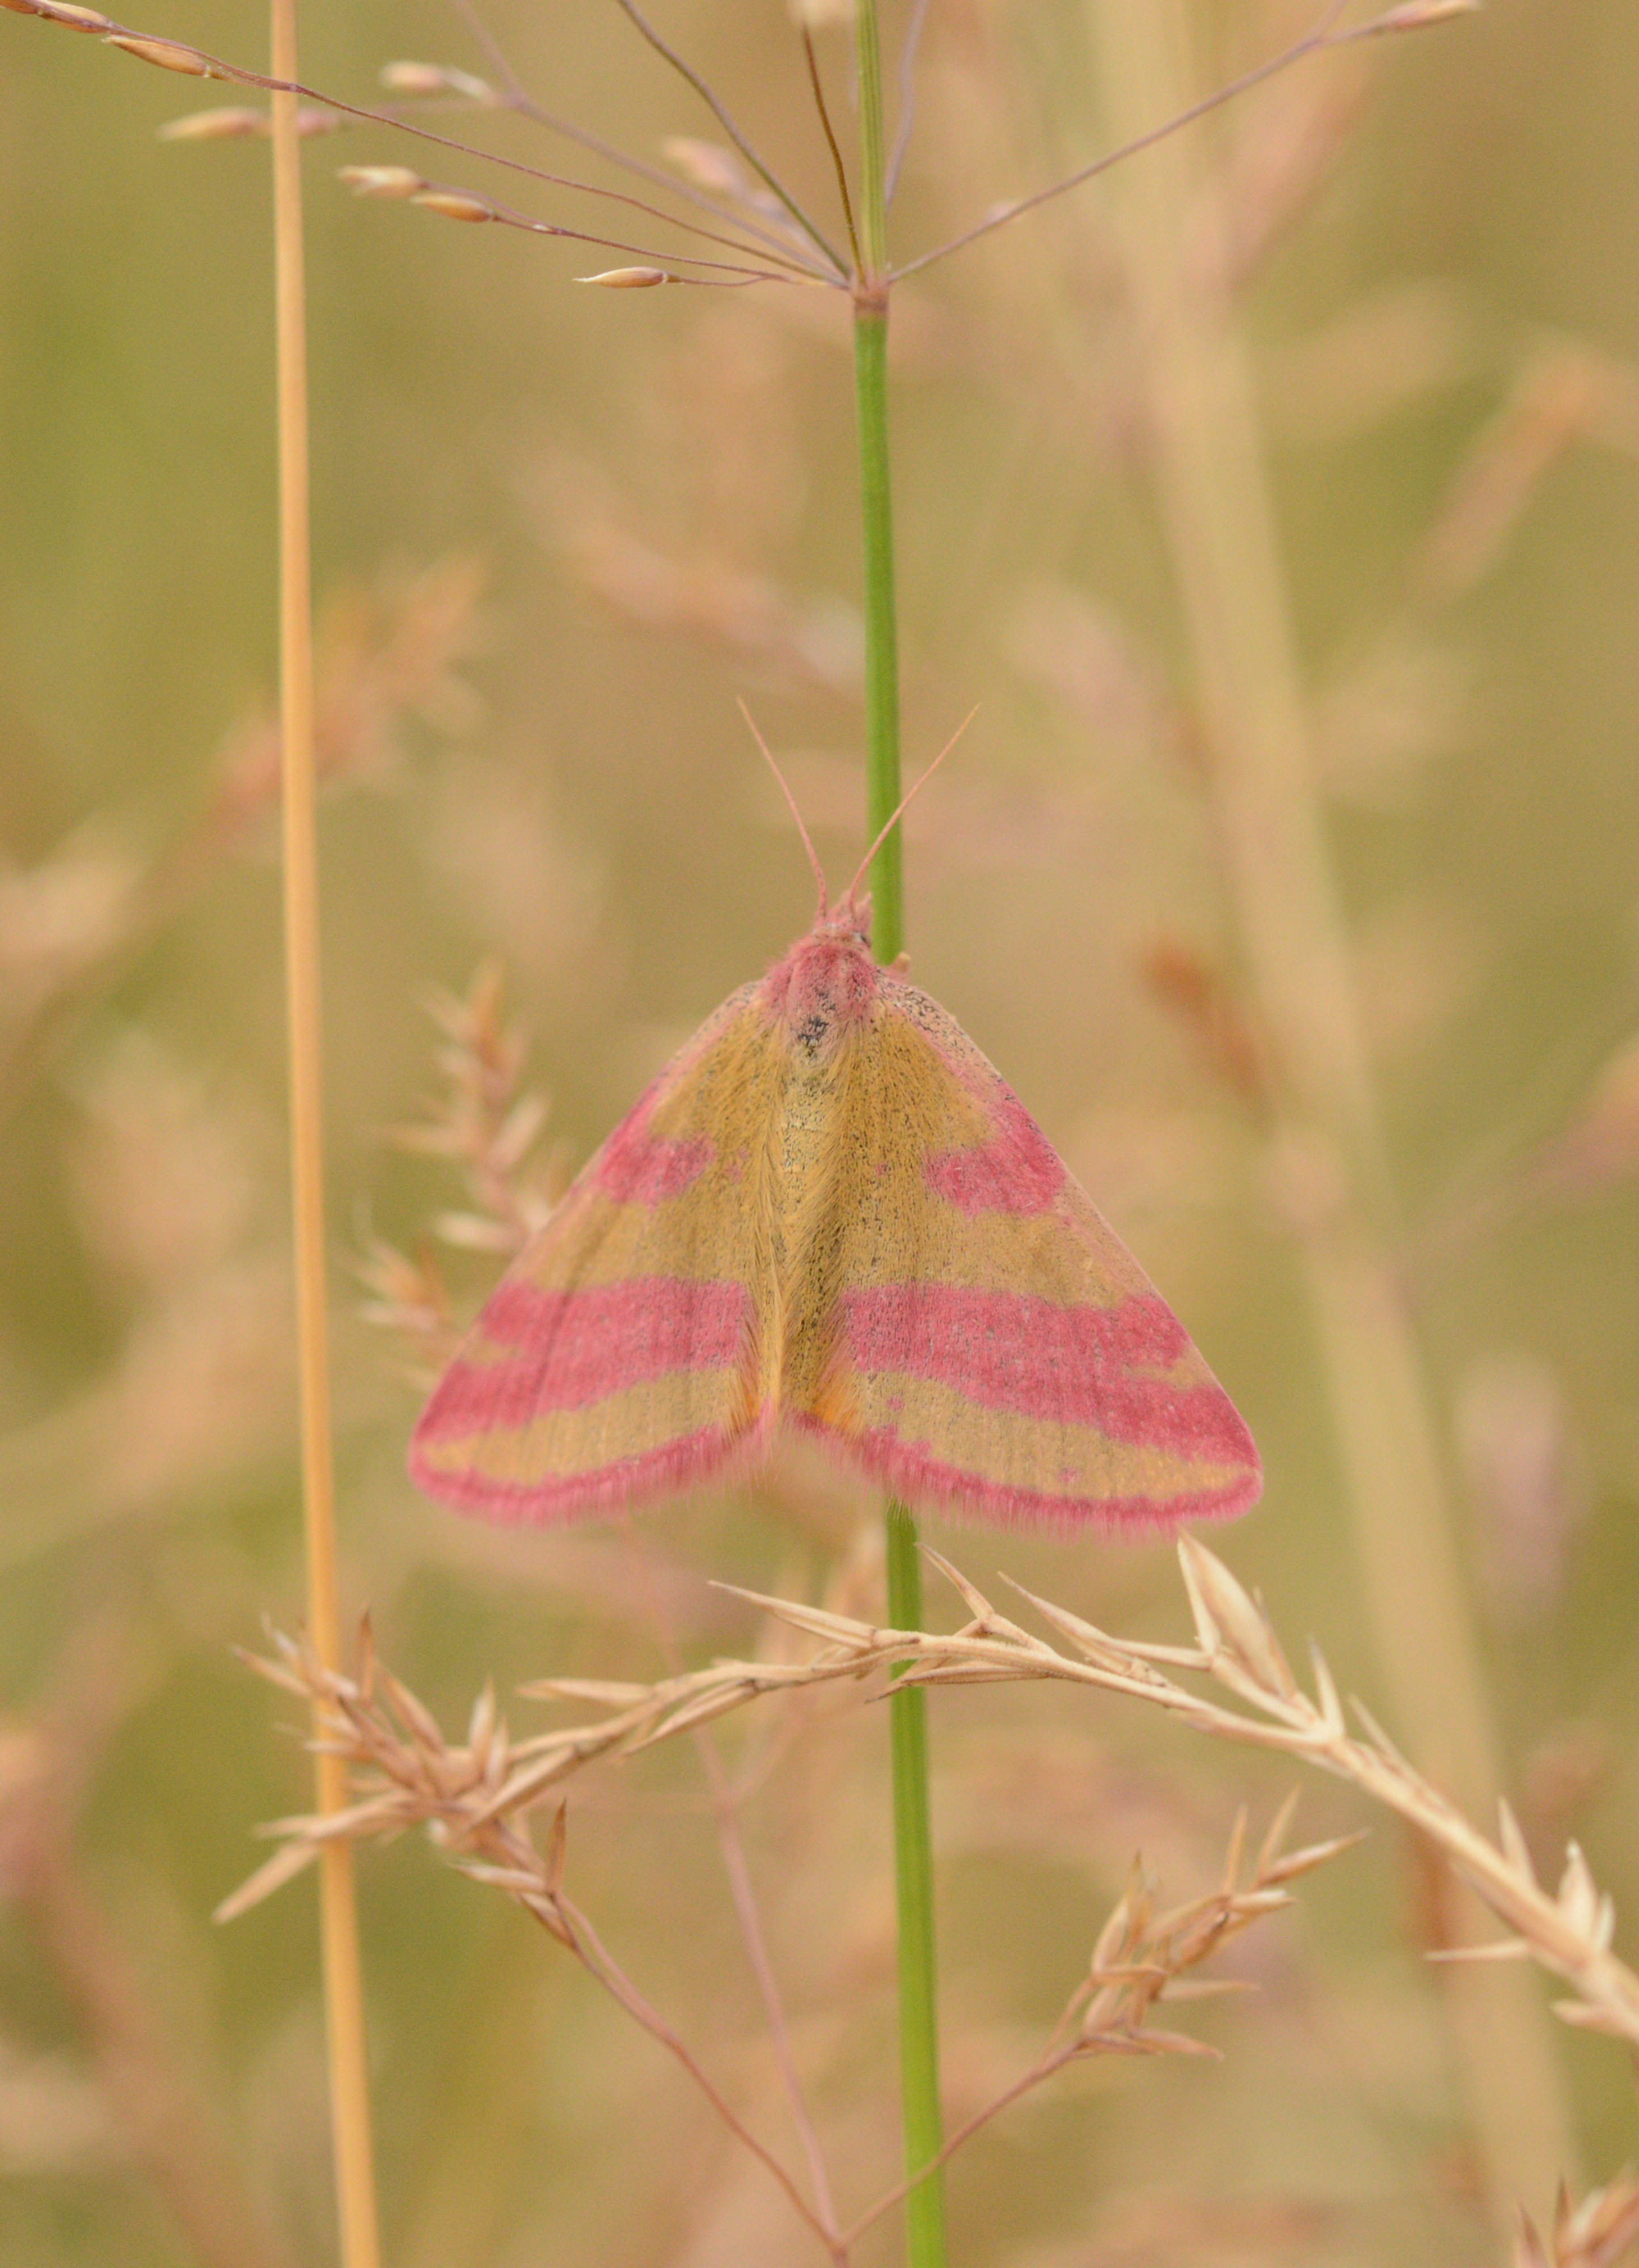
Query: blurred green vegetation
point(656, 488)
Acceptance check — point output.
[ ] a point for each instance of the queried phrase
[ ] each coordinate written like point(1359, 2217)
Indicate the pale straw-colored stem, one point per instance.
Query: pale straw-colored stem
point(343, 1998)
point(1215, 502)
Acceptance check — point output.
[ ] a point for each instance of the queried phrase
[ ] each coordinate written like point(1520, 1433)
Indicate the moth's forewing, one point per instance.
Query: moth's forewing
point(994, 1345)
point(617, 1358)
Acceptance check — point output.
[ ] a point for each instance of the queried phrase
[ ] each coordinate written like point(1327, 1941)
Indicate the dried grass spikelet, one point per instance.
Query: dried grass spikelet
point(232, 123)
point(390, 182)
point(1567, 1932)
point(1142, 1958)
point(1563, 393)
point(163, 53)
point(437, 78)
point(485, 1123)
point(1087, 658)
point(1389, 348)
point(1381, 724)
point(1182, 978)
point(629, 279)
point(475, 1797)
point(408, 1295)
point(66, 12)
point(1595, 2231)
point(63, 916)
point(454, 204)
point(387, 656)
point(162, 1172)
point(711, 165)
point(711, 601)
point(1601, 1143)
point(1282, 151)
point(1419, 15)
point(1524, 1475)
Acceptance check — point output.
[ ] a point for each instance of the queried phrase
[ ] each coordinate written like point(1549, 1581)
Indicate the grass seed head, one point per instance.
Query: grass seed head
point(412, 78)
point(65, 12)
point(232, 122)
point(164, 54)
point(454, 204)
point(1418, 14)
point(628, 279)
point(381, 181)
point(437, 78)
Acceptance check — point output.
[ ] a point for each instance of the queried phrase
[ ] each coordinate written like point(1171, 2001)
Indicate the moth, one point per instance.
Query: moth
point(831, 1214)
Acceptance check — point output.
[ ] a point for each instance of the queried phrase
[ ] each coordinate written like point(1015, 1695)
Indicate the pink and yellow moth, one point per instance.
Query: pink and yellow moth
point(829, 1212)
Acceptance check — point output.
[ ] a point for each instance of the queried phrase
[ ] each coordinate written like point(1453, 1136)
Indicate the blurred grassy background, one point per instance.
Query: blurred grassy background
point(558, 533)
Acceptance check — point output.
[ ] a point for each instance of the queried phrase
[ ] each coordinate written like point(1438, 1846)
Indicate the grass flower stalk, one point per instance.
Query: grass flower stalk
point(343, 1997)
point(913, 1863)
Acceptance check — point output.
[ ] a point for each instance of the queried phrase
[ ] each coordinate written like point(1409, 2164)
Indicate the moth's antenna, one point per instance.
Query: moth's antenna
point(767, 757)
point(905, 799)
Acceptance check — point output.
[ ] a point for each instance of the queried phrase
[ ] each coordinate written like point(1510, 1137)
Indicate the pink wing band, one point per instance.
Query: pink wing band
point(678, 1464)
point(1017, 1170)
point(1079, 1365)
point(560, 1355)
point(571, 1349)
point(906, 1469)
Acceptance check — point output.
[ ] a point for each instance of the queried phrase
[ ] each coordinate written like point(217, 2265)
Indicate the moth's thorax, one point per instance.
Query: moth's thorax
point(826, 985)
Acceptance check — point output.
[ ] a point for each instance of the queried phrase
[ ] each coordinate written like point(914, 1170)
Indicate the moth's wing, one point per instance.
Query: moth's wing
point(989, 1342)
point(616, 1357)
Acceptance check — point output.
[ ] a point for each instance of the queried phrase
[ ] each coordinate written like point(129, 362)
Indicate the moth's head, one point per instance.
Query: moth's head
point(849, 920)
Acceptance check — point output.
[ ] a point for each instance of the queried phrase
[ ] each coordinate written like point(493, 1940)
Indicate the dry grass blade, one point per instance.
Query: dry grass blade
point(472, 1800)
point(475, 1797)
point(1568, 1932)
point(1138, 1961)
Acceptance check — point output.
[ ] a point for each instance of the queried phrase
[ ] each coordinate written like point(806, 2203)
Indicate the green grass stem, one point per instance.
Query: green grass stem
point(913, 1882)
point(913, 1861)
